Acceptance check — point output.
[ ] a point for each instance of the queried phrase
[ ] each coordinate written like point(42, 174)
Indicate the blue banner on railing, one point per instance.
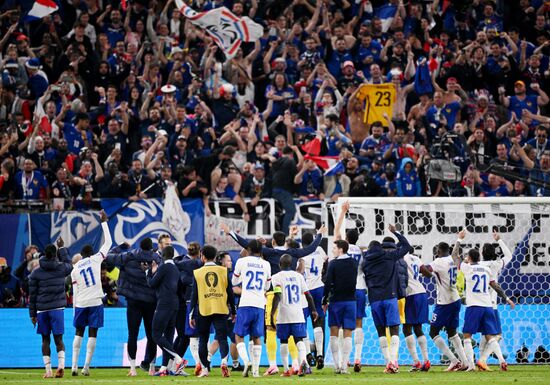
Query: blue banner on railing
point(21, 345)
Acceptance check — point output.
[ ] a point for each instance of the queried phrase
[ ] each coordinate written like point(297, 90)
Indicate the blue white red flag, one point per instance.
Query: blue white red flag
point(40, 9)
point(224, 27)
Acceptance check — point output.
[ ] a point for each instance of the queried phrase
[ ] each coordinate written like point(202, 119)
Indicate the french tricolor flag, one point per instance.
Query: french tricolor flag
point(40, 9)
point(331, 164)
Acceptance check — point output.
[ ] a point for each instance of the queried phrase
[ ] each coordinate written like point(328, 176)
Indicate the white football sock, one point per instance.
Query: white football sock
point(494, 347)
point(47, 363)
point(284, 356)
point(61, 359)
point(318, 336)
point(307, 345)
point(132, 364)
point(342, 364)
point(250, 349)
point(90, 348)
point(423, 343)
point(346, 351)
point(482, 346)
point(411, 347)
point(394, 348)
point(469, 351)
point(243, 352)
point(257, 354)
point(383, 341)
point(358, 338)
point(77, 343)
point(459, 349)
point(335, 351)
point(302, 351)
point(444, 349)
point(194, 348)
point(171, 365)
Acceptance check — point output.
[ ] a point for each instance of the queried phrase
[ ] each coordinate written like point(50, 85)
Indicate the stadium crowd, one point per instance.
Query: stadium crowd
point(101, 102)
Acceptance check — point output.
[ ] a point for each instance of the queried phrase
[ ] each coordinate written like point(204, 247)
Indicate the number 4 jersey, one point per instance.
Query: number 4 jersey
point(254, 274)
point(292, 287)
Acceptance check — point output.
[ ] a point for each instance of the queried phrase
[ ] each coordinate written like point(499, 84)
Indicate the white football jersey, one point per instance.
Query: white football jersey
point(313, 268)
point(445, 273)
point(293, 287)
point(477, 278)
point(355, 252)
point(497, 266)
point(413, 268)
point(254, 274)
point(86, 275)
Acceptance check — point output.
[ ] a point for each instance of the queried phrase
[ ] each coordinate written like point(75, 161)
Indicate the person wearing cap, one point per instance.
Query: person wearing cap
point(349, 77)
point(224, 106)
point(180, 153)
point(521, 100)
point(256, 186)
point(38, 81)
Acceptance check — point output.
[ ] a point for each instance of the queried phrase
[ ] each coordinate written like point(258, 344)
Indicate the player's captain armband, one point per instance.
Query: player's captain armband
point(277, 290)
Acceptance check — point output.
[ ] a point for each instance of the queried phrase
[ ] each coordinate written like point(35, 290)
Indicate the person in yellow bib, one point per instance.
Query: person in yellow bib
point(213, 296)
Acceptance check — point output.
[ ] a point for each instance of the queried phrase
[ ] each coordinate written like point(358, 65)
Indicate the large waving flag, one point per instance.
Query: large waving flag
point(173, 215)
point(325, 162)
point(386, 14)
point(224, 27)
point(40, 9)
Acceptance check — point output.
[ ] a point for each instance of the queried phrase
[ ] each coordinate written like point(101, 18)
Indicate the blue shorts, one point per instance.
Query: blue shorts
point(499, 325)
point(88, 316)
point(189, 331)
point(416, 309)
point(361, 301)
point(250, 322)
point(446, 315)
point(342, 314)
point(296, 330)
point(50, 322)
point(385, 312)
point(480, 319)
point(317, 295)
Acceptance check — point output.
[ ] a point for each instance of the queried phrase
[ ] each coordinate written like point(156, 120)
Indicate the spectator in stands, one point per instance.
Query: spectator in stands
point(310, 181)
point(10, 292)
point(30, 183)
point(257, 186)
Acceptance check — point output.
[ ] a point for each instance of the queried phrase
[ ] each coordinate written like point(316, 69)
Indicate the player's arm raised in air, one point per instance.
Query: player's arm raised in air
point(107, 240)
point(403, 245)
point(496, 287)
point(340, 221)
point(456, 249)
point(505, 250)
point(299, 253)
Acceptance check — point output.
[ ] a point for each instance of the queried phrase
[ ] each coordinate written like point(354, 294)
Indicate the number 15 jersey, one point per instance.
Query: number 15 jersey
point(254, 274)
point(445, 272)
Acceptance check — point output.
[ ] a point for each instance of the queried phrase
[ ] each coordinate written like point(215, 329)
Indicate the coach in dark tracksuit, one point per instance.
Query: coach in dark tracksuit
point(164, 280)
point(186, 265)
point(47, 301)
point(140, 297)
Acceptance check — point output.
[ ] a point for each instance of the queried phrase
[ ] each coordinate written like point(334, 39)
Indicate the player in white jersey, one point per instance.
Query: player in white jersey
point(87, 296)
point(313, 266)
point(289, 288)
point(355, 252)
point(447, 308)
point(416, 313)
point(496, 265)
point(480, 316)
point(254, 275)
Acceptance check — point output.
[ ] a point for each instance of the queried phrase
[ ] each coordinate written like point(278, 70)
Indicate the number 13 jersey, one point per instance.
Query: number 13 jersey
point(292, 287)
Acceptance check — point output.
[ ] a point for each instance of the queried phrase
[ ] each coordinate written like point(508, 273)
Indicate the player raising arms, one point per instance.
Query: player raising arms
point(354, 251)
point(416, 313)
point(480, 316)
point(447, 308)
point(255, 276)
point(88, 295)
point(289, 286)
point(314, 265)
point(496, 265)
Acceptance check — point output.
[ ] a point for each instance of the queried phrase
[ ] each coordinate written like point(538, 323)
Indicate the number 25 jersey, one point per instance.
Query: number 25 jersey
point(254, 274)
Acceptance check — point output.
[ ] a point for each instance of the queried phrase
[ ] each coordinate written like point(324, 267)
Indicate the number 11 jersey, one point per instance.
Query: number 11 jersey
point(86, 279)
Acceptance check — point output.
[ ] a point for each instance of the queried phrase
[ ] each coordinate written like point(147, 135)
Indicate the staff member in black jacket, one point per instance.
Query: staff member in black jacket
point(47, 302)
point(140, 297)
point(164, 279)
